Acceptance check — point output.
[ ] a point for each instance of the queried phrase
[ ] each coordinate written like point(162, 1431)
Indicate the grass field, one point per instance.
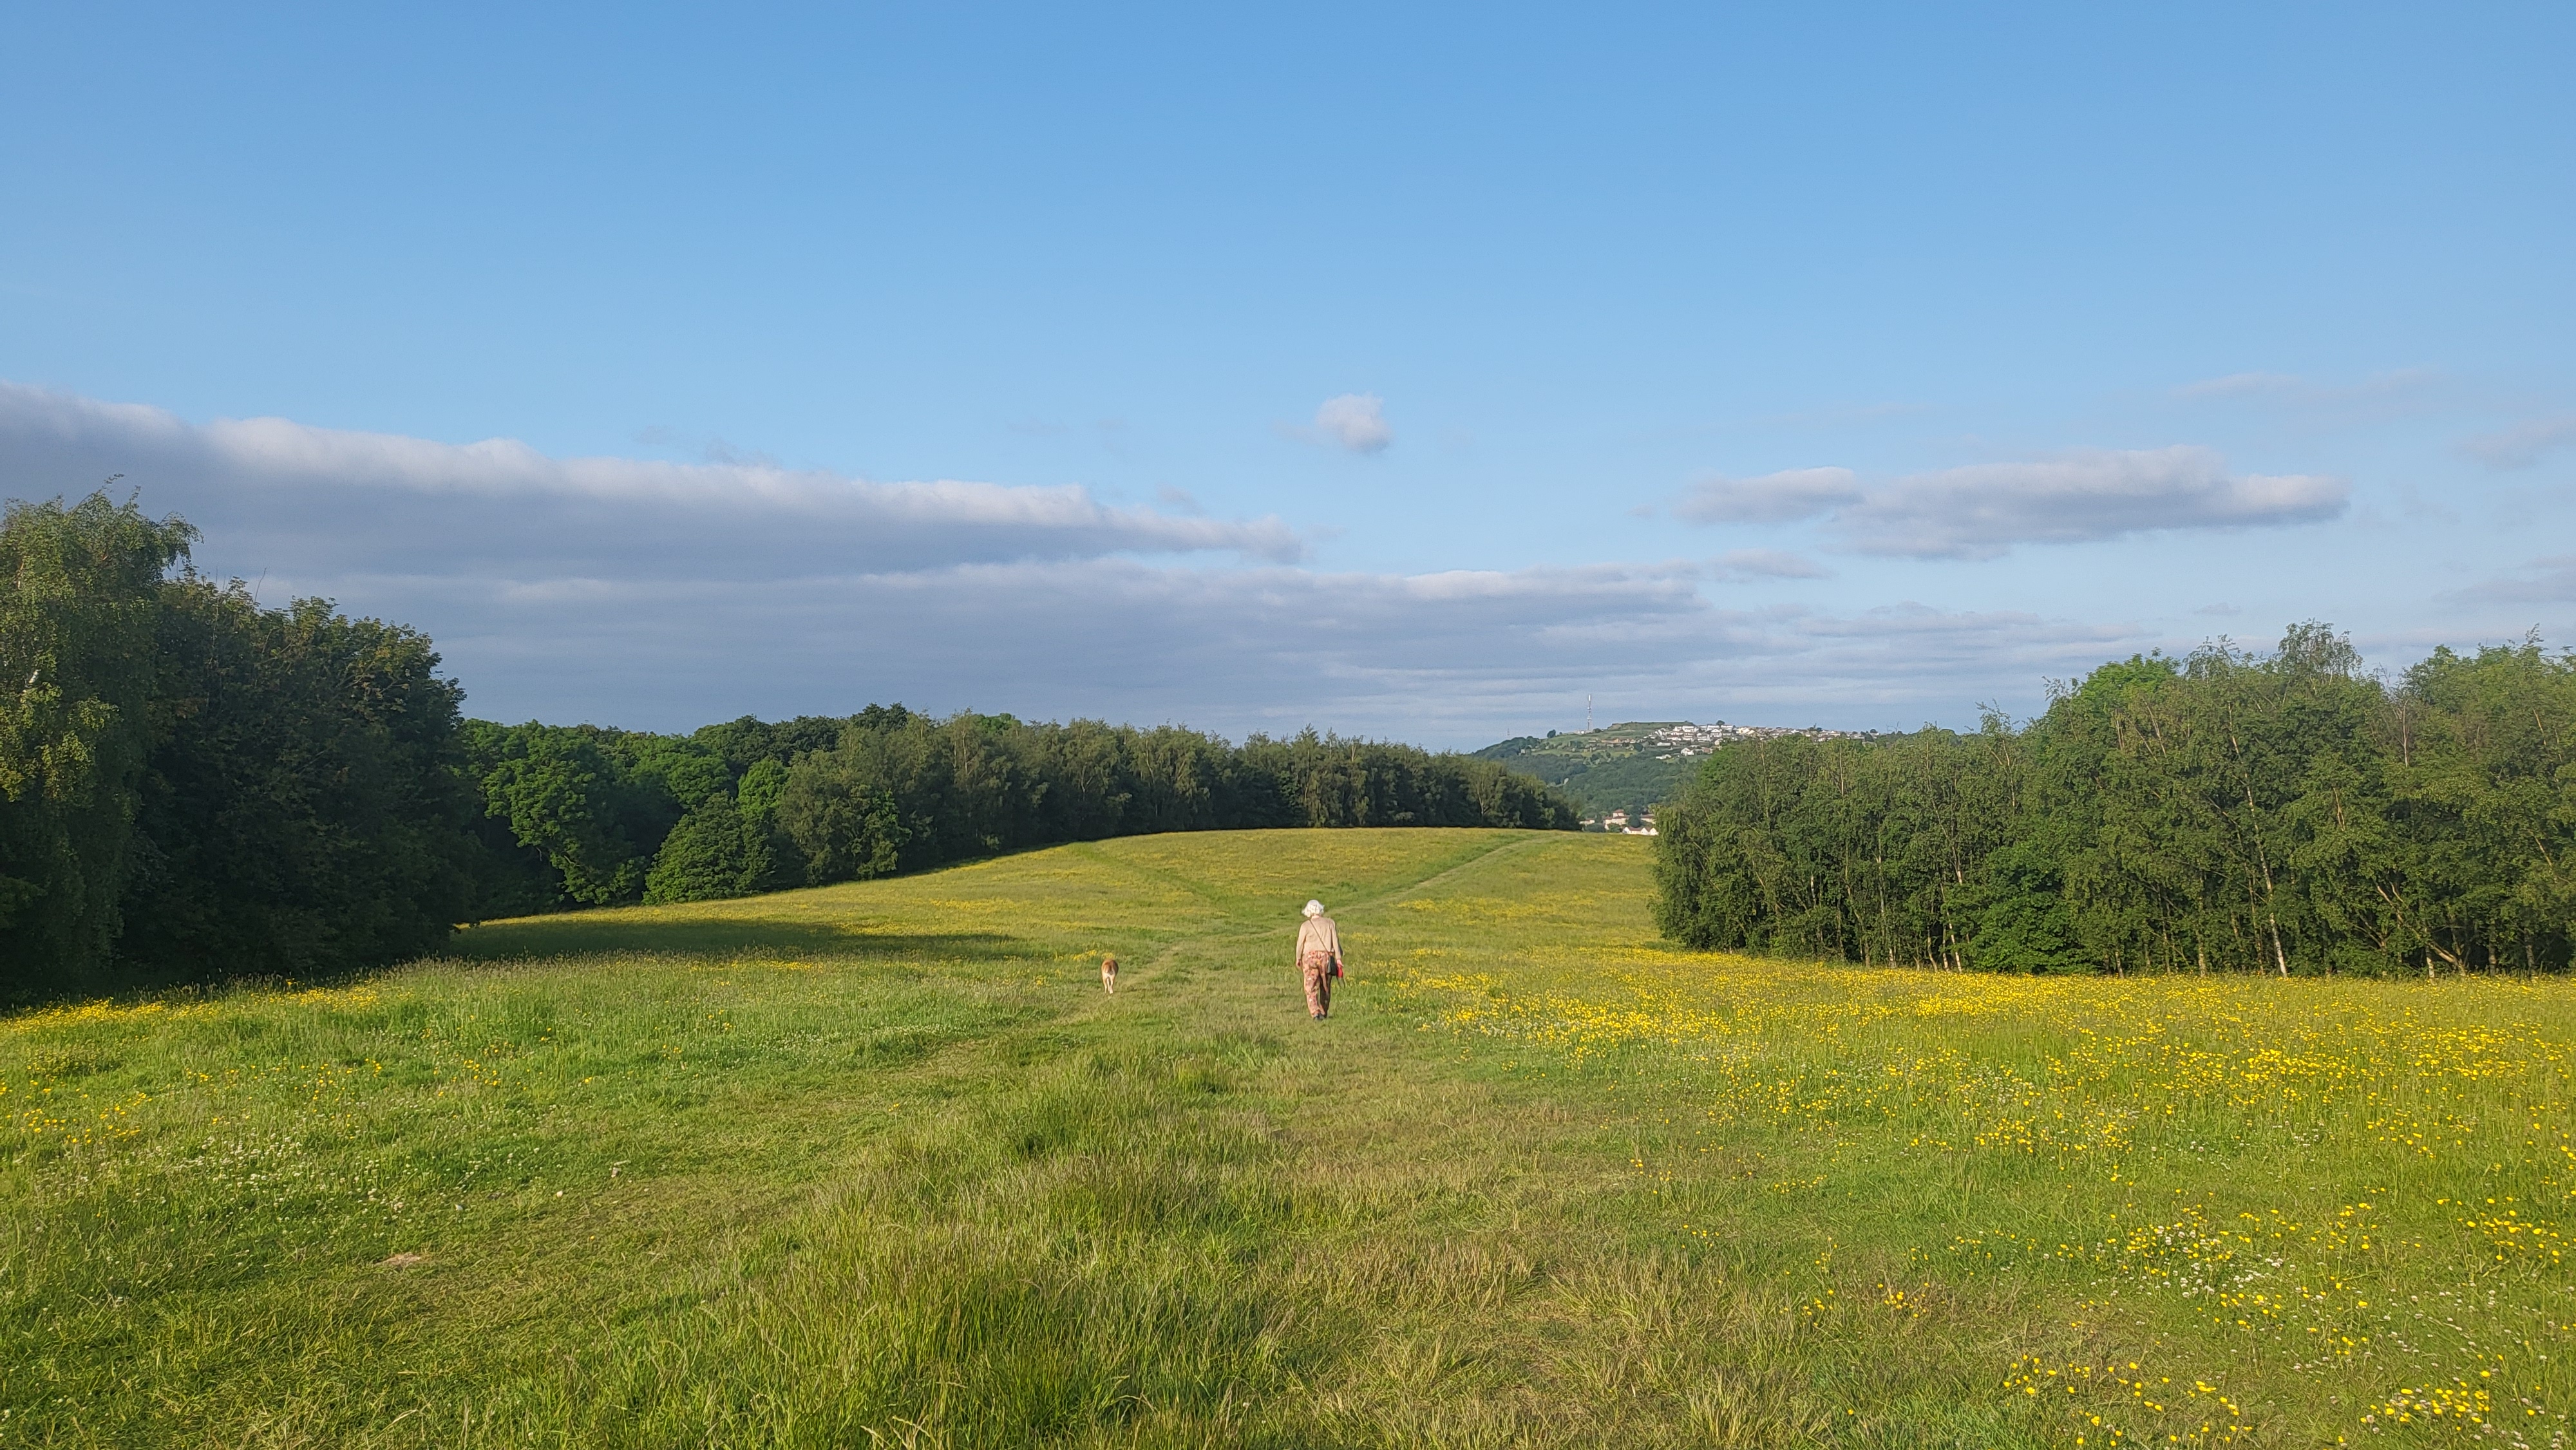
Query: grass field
point(880, 1165)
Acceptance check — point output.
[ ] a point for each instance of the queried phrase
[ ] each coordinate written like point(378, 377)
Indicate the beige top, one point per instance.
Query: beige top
point(1317, 935)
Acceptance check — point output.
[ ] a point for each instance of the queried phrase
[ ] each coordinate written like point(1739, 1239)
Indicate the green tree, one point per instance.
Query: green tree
point(566, 794)
point(842, 816)
point(714, 852)
point(2484, 782)
point(761, 786)
point(80, 591)
point(2279, 812)
point(302, 811)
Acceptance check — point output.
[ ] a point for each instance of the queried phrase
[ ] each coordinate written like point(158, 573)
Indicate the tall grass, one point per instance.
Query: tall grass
point(881, 1165)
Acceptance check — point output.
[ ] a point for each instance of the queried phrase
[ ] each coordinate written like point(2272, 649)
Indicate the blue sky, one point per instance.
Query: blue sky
point(1410, 372)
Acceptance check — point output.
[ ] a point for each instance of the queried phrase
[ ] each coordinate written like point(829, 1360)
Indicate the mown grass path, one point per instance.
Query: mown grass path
point(879, 1164)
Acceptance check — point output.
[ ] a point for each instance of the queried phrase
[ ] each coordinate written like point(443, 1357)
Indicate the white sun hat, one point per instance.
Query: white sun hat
point(1314, 908)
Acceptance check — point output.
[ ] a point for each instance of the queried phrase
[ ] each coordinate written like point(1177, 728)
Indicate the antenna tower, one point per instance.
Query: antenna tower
point(1587, 714)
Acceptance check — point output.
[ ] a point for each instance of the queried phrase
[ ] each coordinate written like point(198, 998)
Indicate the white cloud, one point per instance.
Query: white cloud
point(2522, 445)
point(1355, 422)
point(271, 493)
point(1980, 511)
point(1767, 564)
point(1773, 498)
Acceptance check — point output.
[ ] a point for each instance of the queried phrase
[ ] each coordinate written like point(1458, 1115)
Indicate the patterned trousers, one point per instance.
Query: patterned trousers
point(1318, 967)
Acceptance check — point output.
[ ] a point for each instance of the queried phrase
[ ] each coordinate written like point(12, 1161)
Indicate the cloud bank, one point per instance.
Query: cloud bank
point(1450, 657)
point(274, 493)
point(662, 595)
point(1982, 510)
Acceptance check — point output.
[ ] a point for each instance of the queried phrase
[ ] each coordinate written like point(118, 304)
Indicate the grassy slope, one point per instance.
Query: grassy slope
point(879, 1164)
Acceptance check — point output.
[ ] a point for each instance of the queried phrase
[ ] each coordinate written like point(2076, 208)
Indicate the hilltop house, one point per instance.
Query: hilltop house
point(1618, 821)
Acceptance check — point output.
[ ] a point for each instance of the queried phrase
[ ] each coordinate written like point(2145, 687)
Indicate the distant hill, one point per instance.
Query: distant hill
point(1630, 766)
point(1624, 767)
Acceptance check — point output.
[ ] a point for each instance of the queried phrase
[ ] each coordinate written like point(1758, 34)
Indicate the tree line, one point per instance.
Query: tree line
point(194, 785)
point(2224, 811)
point(580, 815)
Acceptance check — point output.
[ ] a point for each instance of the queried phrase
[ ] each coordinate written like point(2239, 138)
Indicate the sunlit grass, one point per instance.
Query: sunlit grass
point(880, 1164)
point(2249, 1207)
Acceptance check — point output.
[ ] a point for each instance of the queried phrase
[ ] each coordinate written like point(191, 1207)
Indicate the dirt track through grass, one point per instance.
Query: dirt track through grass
point(880, 1164)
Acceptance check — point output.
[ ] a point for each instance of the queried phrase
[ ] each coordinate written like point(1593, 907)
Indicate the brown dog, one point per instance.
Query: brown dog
point(1109, 974)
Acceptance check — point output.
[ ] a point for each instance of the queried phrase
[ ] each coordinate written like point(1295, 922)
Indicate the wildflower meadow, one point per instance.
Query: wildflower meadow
point(881, 1164)
point(2330, 1209)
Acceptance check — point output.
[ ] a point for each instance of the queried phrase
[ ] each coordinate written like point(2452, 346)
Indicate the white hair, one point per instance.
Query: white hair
point(1314, 908)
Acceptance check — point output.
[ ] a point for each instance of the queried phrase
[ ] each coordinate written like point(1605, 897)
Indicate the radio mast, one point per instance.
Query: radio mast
point(1587, 714)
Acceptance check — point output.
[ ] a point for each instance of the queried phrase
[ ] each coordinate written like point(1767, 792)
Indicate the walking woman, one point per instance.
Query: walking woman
point(1319, 958)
